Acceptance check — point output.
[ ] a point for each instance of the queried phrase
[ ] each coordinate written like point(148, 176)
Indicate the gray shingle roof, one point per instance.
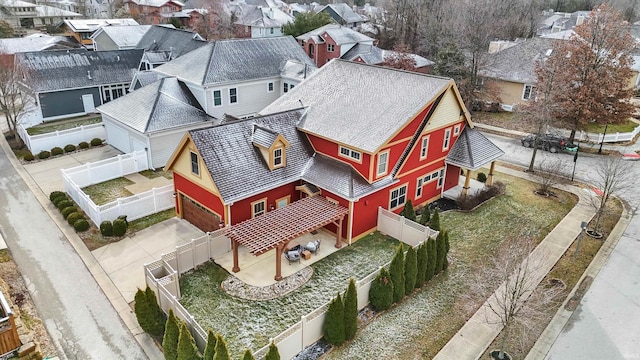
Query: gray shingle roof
point(124, 36)
point(69, 69)
point(297, 70)
point(145, 78)
point(264, 17)
point(373, 55)
point(179, 42)
point(236, 60)
point(163, 105)
point(345, 12)
point(340, 34)
point(473, 150)
point(263, 136)
point(364, 111)
point(517, 63)
point(36, 42)
point(90, 25)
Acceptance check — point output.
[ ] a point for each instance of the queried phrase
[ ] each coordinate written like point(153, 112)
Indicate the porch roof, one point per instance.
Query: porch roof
point(278, 227)
point(473, 150)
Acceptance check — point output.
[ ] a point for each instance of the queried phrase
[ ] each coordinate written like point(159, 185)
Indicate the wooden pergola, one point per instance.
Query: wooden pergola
point(276, 228)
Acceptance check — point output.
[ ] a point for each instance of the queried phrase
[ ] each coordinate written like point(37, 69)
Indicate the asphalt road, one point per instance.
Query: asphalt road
point(76, 313)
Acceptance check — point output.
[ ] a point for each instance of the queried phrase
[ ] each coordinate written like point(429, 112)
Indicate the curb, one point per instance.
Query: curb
point(107, 287)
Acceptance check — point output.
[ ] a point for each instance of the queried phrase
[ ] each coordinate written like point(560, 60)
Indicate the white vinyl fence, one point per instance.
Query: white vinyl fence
point(135, 206)
point(599, 137)
point(162, 276)
point(75, 136)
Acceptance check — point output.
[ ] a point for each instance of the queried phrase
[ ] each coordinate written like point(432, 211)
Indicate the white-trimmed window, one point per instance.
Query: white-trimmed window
point(440, 178)
point(419, 188)
point(383, 162)
point(233, 95)
point(270, 86)
point(330, 48)
point(398, 197)
point(447, 139)
point(278, 158)
point(195, 164)
point(112, 92)
point(217, 97)
point(285, 87)
point(350, 153)
point(424, 147)
point(258, 207)
point(528, 92)
point(456, 130)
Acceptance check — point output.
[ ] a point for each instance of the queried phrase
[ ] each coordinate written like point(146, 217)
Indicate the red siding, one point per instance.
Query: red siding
point(330, 149)
point(241, 210)
point(452, 177)
point(411, 128)
point(434, 149)
point(203, 196)
point(365, 211)
point(345, 221)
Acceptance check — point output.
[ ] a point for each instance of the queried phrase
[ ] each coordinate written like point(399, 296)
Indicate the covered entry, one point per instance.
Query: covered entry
point(275, 229)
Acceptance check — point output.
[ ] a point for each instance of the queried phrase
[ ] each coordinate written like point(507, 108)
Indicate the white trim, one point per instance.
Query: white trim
point(446, 140)
point(399, 204)
point(386, 164)
point(532, 89)
point(351, 154)
point(424, 148)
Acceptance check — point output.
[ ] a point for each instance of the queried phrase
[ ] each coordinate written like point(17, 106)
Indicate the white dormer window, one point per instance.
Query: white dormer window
point(350, 153)
point(278, 158)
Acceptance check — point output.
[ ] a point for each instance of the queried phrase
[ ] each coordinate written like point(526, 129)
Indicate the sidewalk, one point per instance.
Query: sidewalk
point(471, 341)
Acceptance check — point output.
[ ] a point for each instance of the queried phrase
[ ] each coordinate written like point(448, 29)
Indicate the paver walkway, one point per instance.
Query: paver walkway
point(471, 341)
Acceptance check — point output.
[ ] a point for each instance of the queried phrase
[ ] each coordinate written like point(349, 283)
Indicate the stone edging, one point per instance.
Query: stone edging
point(236, 287)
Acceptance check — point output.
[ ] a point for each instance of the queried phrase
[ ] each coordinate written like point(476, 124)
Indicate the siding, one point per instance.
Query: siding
point(67, 102)
point(252, 97)
point(447, 112)
point(103, 42)
point(163, 145)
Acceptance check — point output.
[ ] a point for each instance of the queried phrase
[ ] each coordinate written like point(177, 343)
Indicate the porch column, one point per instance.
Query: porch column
point(467, 181)
point(339, 234)
point(279, 249)
point(489, 181)
point(234, 246)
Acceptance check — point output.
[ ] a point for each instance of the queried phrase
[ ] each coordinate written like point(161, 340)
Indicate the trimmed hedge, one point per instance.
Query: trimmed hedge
point(106, 228)
point(64, 204)
point(44, 154)
point(381, 291)
point(28, 156)
point(69, 148)
point(73, 217)
point(56, 194)
point(396, 272)
point(83, 145)
point(96, 142)
point(68, 210)
point(482, 177)
point(119, 227)
point(59, 199)
point(81, 225)
point(56, 151)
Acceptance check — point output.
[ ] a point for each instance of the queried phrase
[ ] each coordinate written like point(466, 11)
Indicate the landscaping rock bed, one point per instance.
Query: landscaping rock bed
point(235, 287)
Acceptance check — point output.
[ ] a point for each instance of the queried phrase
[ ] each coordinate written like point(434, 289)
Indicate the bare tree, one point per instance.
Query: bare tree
point(12, 102)
point(549, 174)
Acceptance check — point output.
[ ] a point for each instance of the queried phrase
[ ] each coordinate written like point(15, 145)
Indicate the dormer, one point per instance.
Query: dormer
point(272, 145)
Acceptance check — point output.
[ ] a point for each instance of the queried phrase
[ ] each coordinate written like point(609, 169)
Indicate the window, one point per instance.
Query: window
point(270, 87)
point(447, 138)
point(291, 86)
point(233, 95)
point(424, 147)
point(383, 160)
point(398, 197)
point(217, 98)
point(528, 92)
point(277, 158)
point(330, 47)
point(195, 166)
point(112, 92)
point(286, 87)
point(258, 207)
point(456, 130)
point(271, 30)
point(440, 178)
point(419, 188)
point(346, 152)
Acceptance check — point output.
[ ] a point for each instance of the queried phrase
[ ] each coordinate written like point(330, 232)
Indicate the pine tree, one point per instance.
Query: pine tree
point(334, 322)
point(408, 211)
point(187, 349)
point(156, 315)
point(440, 252)
point(249, 356)
point(381, 291)
point(210, 349)
point(425, 216)
point(141, 308)
point(396, 271)
point(272, 353)
point(445, 265)
point(434, 223)
point(221, 349)
point(431, 259)
point(350, 311)
point(410, 270)
point(171, 335)
point(421, 266)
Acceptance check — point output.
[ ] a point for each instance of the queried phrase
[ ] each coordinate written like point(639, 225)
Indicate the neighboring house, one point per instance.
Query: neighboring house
point(330, 42)
point(25, 15)
point(35, 42)
point(66, 83)
point(81, 30)
point(343, 14)
point(255, 21)
point(373, 55)
point(226, 78)
point(553, 22)
point(118, 37)
point(333, 140)
point(191, 18)
point(152, 12)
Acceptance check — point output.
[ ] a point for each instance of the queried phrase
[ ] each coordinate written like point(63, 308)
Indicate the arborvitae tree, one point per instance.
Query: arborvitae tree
point(396, 271)
point(187, 349)
point(334, 322)
point(221, 349)
point(157, 319)
point(171, 335)
point(249, 356)
point(425, 216)
point(408, 211)
point(142, 311)
point(272, 353)
point(434, 223)
point(410, 270)
point(445, 264)
point(421, 259)
point(210, 349)
point(381, 291)
point(350, 311)
point(440, 252)
point(431, 259)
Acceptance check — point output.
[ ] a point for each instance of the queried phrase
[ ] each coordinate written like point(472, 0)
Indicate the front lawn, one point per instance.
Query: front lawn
point(50, 127)
point(626, 127)
point(108, 191)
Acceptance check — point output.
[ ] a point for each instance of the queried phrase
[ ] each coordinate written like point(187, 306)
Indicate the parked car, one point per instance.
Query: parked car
point(549, 142)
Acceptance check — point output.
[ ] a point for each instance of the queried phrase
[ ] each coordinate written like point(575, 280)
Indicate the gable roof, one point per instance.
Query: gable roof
point(176, 41)
point(69, 69)
point(155, 3)
point(517, 63)
point(36, 42)
point(236, 60)
point(345, 12)
point(163, 105)
point(90, 25)
point(340, 34)
point(263, 17)
point(472, 150)
point(123, 36)
point(373, 55)
point(365, 111)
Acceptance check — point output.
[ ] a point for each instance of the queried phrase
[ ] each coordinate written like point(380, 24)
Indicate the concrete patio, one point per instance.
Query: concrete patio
point(454, 193)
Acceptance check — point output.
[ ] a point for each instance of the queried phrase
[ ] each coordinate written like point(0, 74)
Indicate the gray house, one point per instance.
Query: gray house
point(68, 83)
point(118, 37)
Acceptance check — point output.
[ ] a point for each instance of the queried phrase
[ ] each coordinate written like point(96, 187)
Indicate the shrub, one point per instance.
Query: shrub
point(73, 217)
point(106, 228)
point(425, 216)
point(431, 259)
point(334, 322)
point(60, 199)
point(56, 194)
point(96, 142)
point(44, 154)
point(187, 349)
point(396, 272)
point(171, 334)
point(56, 151)
point(28, 156)
point(445, 264)
point(81, 225)
point(83, 145)
point(119, 227)
point(249, 356)
point(156, 315)
point(381, 291)
point(482, 177)
point(350, 311)
point(470, 202)
point(408, 211)
point(69, 148)
point(64, 203)
point(421, 266)
point(221, 349)
point(440, 252)
point(410, 270)
point(141, 309)
point(272, 353)
point(68, 210)
point(434, 223)
point(210, 348)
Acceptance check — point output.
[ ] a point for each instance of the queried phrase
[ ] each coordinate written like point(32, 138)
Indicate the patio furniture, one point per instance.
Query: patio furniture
point(306, 254)
point(313, 246)
point(293, 254)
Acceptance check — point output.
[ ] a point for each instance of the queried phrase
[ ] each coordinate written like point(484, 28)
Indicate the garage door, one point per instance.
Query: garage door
point(196, 214)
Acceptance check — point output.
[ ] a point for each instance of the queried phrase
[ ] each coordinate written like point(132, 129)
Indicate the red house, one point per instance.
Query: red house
point(355, 137)
point(152, 12)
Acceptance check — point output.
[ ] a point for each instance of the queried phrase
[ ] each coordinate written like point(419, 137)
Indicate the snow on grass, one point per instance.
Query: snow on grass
point(250, 324)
